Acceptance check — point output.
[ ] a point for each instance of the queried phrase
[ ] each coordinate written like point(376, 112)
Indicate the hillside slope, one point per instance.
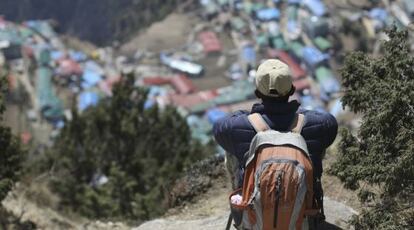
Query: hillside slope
point(98, 21)
point(211, 212)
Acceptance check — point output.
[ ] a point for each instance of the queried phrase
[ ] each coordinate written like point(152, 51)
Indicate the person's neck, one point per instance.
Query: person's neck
point(275, 100)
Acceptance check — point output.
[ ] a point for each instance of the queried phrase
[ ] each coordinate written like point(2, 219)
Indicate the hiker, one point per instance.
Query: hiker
point(274, 86)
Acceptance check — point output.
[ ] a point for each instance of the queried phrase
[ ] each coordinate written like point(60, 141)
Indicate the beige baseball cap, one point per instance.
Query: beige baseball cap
point(273, 78)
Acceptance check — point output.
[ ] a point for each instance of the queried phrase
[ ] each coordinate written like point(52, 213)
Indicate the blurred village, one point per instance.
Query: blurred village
point(208, 77)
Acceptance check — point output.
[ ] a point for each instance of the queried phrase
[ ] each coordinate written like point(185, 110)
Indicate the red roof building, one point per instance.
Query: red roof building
point(68, 67)
point(210, 42)
point(190, 100)
point(156, 81)
point(182, 84)
point(301, 84)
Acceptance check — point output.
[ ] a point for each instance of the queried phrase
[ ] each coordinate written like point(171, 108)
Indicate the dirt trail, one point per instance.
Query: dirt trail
point(211, 213)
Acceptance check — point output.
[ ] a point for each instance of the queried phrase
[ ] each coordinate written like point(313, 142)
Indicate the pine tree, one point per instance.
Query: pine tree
point(138, 150)
point(11, 155)
point(380, 159)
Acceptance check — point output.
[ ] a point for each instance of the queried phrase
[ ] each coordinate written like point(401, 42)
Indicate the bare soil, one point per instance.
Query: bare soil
point(170, 33)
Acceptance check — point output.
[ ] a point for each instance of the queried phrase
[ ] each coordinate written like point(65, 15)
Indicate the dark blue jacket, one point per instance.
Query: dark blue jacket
point(234, 132)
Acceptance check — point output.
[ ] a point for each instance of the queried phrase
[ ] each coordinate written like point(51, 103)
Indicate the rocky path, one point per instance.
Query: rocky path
point(211, 213)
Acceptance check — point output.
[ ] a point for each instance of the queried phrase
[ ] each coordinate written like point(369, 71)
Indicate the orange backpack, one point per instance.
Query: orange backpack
point(277, 191)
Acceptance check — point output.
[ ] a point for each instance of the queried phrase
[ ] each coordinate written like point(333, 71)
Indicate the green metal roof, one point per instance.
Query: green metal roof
point(44, 28)
point(322, 43)
point(201, 107)
point(262, 39)
point(55, 108)
point(238, 23)
point(11, 35)
point(258, 6)
point(44, 57)
point(248, 7)
point(25, 32)
point(292, 12)
point(296, 47)
point(239, 91)
point(279, 43)
point(223, 2)
point(44, 80)
point(322, 73)
point(45, 94)
point(212, 8)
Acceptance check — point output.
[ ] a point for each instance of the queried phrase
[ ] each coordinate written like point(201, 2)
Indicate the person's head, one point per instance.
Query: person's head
point(274, 81)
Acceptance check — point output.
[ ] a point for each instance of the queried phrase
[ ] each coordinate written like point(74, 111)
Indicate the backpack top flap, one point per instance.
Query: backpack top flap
point(265, 136)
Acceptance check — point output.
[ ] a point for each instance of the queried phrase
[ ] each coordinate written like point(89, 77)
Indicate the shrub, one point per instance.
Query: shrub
point(382, 155)
point(11, 155)
point(114, 160)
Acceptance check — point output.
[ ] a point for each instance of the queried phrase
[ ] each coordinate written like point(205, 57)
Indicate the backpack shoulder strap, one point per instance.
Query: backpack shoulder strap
point(297, 124)
point(258, 123)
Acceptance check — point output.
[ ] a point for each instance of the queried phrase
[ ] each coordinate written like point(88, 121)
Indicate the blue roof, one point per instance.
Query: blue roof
point(268, 14)
point(317, 7)
point(205, 2)
point(93, 66)
point(42, 27)
point(378, 13)
point(156, 91)
point(77, 55)
point(310, 103)
point(56, 54)
point(87, 99)
point(330, 85)
point(165, 59)
point(215, 114)
point(249, 54)
point(312, 56)
point(292, 26)
point(90, 78)
point(337, 108)
point(149, 103)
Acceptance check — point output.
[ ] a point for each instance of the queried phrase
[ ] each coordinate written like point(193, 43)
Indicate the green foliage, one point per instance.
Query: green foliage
point(11, 155)
point(138, 150)
point(382, 155)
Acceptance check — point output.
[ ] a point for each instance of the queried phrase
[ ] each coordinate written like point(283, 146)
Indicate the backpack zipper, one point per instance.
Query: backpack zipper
point(277, 196)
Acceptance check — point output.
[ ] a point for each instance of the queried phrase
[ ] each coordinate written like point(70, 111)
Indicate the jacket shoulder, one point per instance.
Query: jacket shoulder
point(320, 124)
point(233, 121)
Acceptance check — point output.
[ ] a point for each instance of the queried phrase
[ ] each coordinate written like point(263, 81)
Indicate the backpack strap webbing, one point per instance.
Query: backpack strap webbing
point(258, 123)
point(297, 124)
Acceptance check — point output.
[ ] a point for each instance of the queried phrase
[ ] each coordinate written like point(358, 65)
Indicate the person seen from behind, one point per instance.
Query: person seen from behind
point(274, 87)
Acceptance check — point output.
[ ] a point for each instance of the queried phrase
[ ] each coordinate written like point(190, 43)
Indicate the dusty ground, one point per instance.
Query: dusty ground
point(211, 212)
point(170, 33)
point(75, 43)
point(214, 76)
point(211, 209)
